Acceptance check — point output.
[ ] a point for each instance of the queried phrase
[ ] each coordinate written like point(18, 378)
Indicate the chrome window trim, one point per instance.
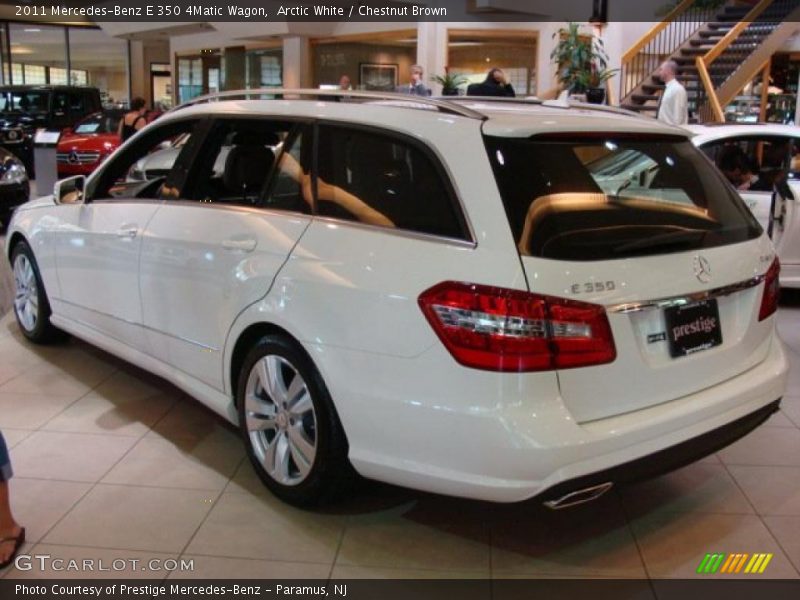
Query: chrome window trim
point(407, 233)
point(662, 303)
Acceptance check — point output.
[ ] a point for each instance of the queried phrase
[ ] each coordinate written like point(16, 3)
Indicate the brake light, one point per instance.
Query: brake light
point(499, 329)
point(772, 289)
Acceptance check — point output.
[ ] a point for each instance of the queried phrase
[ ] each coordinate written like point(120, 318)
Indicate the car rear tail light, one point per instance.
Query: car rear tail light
point(498, 329)
point(772, 289)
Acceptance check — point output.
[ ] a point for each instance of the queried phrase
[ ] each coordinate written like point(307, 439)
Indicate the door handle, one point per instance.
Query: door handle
point(128, 232)
point(247, 245)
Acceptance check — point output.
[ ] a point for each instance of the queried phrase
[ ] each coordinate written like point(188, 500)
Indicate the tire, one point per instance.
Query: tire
point(292, 434)
point(31, 307)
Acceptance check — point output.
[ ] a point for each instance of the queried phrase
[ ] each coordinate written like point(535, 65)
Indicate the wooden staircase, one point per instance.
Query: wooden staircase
point(718, 51)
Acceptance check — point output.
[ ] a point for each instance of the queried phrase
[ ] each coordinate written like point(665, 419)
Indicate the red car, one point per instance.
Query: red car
point(86, 145)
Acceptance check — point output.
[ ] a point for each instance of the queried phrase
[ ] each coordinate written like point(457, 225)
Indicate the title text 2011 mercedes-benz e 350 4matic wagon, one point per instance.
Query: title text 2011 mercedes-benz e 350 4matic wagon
point(496, 300)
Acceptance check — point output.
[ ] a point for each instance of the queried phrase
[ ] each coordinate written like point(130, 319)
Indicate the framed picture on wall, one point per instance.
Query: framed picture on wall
point(378, 76)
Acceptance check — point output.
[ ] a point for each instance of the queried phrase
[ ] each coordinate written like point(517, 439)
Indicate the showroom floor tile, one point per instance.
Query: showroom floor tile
point(113, 463)
point(245, 526)
point(134, 518)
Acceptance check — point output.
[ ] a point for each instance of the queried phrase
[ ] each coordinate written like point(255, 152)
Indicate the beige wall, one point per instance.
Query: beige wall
point(331, 61)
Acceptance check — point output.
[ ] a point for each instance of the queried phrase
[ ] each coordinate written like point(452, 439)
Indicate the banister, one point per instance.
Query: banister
point(713, 100)
point(656, 29)
point(720, 47)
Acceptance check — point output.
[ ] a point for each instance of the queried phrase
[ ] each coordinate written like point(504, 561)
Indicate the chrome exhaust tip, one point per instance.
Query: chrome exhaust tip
point(579, 496)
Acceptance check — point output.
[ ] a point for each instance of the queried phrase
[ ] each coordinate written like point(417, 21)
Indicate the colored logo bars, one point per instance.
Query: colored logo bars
point(733, 563)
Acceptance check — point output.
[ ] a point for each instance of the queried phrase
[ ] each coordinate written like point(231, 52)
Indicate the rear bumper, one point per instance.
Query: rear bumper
point(522, 448)
point(668, 459)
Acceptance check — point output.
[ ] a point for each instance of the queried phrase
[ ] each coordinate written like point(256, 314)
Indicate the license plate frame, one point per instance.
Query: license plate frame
point(693, 328)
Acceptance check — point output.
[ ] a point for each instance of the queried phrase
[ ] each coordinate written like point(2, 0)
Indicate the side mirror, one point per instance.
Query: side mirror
point(69, 190)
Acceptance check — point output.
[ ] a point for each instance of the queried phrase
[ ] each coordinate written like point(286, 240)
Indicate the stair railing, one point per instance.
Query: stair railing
point(708, 102)
point(644, 57)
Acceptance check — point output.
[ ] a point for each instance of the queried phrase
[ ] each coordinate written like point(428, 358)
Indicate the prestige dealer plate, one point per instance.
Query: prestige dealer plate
point(693, 328)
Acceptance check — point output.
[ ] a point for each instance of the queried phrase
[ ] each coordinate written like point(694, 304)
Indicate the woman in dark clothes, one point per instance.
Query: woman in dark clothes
point(495, 84)
point(134, 120)
point(12, 536)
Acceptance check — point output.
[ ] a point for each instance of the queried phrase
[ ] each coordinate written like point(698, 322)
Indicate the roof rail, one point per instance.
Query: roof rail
point(443, 106)
point(532, 100)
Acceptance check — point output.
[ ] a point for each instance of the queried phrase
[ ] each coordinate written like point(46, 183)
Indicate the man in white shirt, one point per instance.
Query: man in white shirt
point(674, 107)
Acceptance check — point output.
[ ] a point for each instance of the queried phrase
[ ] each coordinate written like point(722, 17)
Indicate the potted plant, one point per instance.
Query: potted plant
point(593, 83)
point(582, 61)
point(449, 82)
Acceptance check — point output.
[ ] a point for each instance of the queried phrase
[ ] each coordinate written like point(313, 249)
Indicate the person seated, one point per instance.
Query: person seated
point(495, 85)
point(734, 165)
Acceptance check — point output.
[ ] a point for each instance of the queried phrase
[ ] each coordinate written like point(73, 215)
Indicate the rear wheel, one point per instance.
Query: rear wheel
point(290, 427)
point(31, 306)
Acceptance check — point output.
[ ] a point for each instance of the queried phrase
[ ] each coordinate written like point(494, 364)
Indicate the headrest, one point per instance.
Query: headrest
point(246, 167)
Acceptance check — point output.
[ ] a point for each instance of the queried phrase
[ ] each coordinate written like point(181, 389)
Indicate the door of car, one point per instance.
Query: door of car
point(216, 248)
point(786, 211)
point(99, 241)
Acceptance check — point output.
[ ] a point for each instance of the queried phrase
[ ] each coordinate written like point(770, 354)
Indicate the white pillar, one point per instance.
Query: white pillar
point(431, 52)
point(296, 62)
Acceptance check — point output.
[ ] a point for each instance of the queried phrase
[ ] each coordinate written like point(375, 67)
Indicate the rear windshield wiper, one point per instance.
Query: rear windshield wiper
point(665, 239)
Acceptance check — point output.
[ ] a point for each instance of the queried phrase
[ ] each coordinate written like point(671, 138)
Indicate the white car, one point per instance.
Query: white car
point(763, 163)
point(457, 296)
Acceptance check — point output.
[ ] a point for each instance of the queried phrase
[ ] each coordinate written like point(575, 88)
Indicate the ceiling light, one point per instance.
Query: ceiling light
point(32, 30)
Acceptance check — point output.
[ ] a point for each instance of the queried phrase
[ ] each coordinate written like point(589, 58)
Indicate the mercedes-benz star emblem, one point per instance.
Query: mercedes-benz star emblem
point(72, 158)
point(702, 269)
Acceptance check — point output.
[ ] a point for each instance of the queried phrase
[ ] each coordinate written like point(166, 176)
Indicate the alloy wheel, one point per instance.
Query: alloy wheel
point(26, 298)
point(280, 419)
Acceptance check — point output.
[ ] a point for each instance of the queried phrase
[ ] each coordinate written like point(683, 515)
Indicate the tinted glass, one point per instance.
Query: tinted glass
point(291, 185)
point(604, 198)
point(382, 180)
point(24, 102)
point(236, 161)
point(754, 163)
point(148, 168)
point(99, 123)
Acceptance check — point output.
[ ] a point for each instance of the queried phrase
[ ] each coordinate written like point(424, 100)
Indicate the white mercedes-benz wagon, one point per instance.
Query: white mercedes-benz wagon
point(496, 300)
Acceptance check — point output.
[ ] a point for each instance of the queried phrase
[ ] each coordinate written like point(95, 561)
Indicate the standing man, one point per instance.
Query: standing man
point(415, 87)
point(674, 107)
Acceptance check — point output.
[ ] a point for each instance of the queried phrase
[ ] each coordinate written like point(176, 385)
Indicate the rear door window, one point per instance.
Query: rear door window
point(605, 197)
point(380, 179)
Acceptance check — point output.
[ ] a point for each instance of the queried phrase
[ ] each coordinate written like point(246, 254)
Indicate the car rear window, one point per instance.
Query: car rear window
point(609, 196)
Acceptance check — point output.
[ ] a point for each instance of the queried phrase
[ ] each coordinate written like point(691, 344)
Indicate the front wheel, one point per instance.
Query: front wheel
point(31, 306)
point(292, 433)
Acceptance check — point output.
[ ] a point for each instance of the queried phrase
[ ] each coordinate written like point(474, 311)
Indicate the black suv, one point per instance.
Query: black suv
point(26, 108)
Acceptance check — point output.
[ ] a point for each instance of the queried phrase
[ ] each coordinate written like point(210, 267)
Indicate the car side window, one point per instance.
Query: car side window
point(752, 163)
point(290, 188)
point(794, 165)
point(236, 161)
point(151, 167)
point(77, 105)
point(385, 180)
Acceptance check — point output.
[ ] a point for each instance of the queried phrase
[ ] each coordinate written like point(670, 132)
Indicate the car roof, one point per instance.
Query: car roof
point(712, 132)
point(44, 88)
point(510, 119)
point(500, 118)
